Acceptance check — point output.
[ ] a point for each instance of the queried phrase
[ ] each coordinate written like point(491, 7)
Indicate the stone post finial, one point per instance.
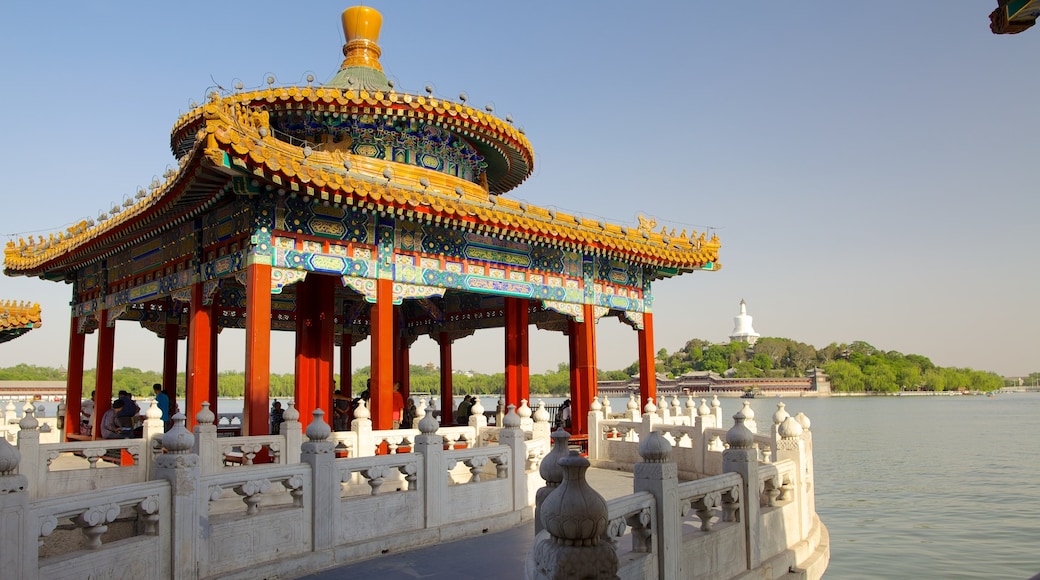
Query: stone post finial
point(790, 428)
point(632, 405)
point(10, 457)
point(428, 425)
point(291, 413)
point(318, 430)
point(153, 412)
point(781, 413)
point(524, 412)
point(28, 421)
point(804, 420)
point(703, 409)
point(596, 405)
point(178, 440)
point(362, 410)
point(739, 436)
point(650, 407)
point(655, 448)
point(575, 515)
point(511, 420)
point(205, 416)
point(541, 415)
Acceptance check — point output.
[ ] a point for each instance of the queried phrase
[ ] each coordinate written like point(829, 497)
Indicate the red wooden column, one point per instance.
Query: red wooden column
point(404, 368)
point(647, 358)
point(447, 399)
point(306, 369)
point(517, 375)
point(255, 419)
point(74, 382)
point(169, 374)
point(106, 344)
point(346, 364)
point(325, 342)
point(382, 323)
point(214, 394)
point(525, 354)
point(200, 351)
point(587, 375)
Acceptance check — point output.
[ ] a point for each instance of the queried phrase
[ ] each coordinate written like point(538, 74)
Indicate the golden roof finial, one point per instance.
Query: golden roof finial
point(361, 28)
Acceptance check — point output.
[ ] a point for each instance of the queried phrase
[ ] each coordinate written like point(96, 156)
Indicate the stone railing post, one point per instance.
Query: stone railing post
point(791, 446)
point(541, 429)
point(19, 556)
point(62, 429)
point(575, 516)
point(742, 458)
point(10, 413)
point(291, 429)
point(524, 412)
point(151, 433)
point(716, 410)
point(476, 416)
point(664, 411)
point(650, 419)
point(551, 473)
point(632, 408)
point(205, 440)
point(595, 431)
point(513, 436)
point(606, 407)
point(660, 477)
point(29, 449)
point(433, 477)
point(809, 471)
point(180, 467)
point(362, 426)
point(318, 452)
point(778, 418)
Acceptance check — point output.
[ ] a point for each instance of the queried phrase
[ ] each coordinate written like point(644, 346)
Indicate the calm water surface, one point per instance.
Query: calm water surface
point(925, 487)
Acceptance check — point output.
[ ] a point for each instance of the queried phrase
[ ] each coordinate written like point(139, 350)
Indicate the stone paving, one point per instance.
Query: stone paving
point(501, 555)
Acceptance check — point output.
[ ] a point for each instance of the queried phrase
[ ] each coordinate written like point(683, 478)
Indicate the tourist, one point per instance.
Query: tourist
point(462, 413)
point(341, 411)
point(128, 411)
point(162, 400)
point(86, 415)
point(277, 416)
point(397, 405)
point(408, 415)
point(563, 416)
point(111, 428)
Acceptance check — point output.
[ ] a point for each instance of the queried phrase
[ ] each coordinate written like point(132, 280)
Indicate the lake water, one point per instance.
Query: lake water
point(917, 487)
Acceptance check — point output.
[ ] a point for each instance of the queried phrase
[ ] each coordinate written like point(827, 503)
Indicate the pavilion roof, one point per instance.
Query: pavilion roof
point(235, 139)
point(17, 318)
point(229, 146)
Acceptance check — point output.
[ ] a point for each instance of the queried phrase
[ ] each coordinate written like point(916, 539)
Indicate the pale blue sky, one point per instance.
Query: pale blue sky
point(869, 167)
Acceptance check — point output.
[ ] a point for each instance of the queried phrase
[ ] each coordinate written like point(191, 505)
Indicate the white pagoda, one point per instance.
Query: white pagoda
point(742, 330)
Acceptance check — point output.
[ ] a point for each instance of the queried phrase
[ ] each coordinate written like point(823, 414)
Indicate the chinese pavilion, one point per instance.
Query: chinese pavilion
point(17, 318)
point(346, 211)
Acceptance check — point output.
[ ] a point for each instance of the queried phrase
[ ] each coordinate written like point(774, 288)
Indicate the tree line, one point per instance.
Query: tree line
point(854, 367)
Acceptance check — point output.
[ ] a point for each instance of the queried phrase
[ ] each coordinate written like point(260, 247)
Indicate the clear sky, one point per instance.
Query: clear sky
point(870, 167)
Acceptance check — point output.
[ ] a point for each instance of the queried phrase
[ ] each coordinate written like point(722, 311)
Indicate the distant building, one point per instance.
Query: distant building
point(742, 330)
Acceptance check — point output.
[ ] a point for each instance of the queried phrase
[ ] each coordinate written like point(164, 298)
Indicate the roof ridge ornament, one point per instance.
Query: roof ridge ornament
point(361, 26)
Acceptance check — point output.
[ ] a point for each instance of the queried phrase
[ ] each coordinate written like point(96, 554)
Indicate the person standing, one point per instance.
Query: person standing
point(398, 405)
point(162, 400)
point(86, 415)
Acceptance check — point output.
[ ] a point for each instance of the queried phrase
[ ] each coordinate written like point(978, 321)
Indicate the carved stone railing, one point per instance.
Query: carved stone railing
point(114, 532)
